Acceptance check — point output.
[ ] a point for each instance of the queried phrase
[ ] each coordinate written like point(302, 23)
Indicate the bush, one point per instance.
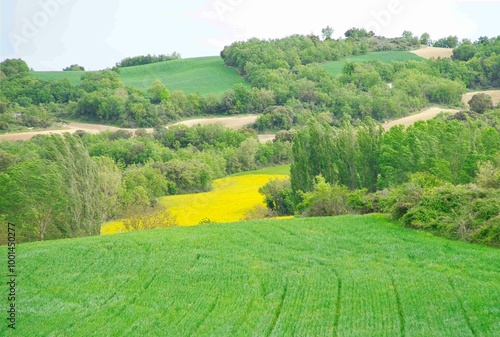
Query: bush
point(151, 218)
point(279, 196)
point(259, 212)
point(325, 200)
point(481, 103)
point(465, 213)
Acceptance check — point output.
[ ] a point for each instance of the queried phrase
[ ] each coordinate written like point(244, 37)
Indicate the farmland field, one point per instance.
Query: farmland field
point(343, 276)
point(203, 75)
point(336, 67)
point(229, 200)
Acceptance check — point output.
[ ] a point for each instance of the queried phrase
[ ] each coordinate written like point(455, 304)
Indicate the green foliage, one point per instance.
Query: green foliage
point(447, 42)
point(147, 59)
point(74, 67)
point(158, 92)
point(481, 103)
point(63, 194)
point(14, 68)
point(278, 196)
point(327, 33)
point(325, 200)
point(458, 212)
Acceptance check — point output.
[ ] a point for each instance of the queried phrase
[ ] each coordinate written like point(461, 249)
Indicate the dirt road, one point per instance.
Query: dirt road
point(236, 122)
point(421, 116)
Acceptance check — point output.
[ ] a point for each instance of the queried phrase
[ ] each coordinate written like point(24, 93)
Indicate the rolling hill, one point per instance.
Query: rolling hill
point(203, 75)
point(335, 67)
point(343, 276)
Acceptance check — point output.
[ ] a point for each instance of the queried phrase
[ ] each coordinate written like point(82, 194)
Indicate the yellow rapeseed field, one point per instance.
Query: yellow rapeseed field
point(230, 198)
point(228, 201)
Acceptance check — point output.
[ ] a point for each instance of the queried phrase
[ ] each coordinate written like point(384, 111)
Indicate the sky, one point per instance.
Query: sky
point(96, 34)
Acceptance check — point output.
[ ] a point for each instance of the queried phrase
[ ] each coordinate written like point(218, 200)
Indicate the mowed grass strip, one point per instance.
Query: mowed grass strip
point(335, 67)
point(343, 276)
point(201, 75)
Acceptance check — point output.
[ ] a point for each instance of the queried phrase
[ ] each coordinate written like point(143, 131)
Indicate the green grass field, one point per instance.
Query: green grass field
point(344, 276)
point(336, 67)
point(203, 75)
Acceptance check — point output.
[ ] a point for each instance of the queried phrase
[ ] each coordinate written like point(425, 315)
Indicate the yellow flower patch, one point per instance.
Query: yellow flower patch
point(230, 198)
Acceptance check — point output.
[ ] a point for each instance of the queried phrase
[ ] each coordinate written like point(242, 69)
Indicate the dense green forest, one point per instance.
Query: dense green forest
point(440, 175)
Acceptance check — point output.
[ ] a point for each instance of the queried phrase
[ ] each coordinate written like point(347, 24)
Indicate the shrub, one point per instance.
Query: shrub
point(151, 218)
point(481, 103)
point(279, 196)
point(259, 212)
point(325, 200)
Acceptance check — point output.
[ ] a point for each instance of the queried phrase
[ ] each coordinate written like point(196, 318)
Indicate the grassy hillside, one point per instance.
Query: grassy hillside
point(203, 75)
point(344, 276)
point(72, 76)
point(335, 67)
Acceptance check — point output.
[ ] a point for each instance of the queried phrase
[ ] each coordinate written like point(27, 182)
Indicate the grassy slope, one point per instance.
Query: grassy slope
point(72, 76)
point(345, 276)
point(203, 75)
point(336, 67)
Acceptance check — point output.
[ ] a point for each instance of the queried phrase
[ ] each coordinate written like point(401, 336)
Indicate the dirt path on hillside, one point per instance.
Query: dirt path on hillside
point(433, 52)
point(495, 96)
point(421, 116)
point(235, 122)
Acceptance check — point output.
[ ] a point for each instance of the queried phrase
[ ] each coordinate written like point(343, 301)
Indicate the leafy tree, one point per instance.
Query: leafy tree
point(327, 33)
point(74, 67)
point(448, 42)
point(425, 39)
point(325, 200)
point(14, 68)
point(33, 197)
point(159, 93)
point(481, 103)
point(279, 196)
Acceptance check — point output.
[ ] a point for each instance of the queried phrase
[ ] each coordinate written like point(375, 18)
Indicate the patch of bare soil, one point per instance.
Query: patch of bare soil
point(495, 96)
point(433, 52)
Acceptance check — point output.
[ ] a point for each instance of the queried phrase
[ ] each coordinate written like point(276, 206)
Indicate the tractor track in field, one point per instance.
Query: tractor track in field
point(402, 321)
point(205, 316)
point(277, 314)
point(338, 303)
point(461, 304)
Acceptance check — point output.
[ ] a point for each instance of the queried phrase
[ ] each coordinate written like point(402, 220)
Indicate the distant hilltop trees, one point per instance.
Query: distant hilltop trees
point(147, 59)
point(74, 67)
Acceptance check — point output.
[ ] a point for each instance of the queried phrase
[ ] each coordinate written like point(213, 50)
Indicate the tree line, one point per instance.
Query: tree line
point(67, 186)
point(441, 175)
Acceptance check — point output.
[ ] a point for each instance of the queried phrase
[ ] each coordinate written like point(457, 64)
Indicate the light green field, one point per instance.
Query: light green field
point(203, 75)
point(344, 276)
point(336, 67)
point(73, 76)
